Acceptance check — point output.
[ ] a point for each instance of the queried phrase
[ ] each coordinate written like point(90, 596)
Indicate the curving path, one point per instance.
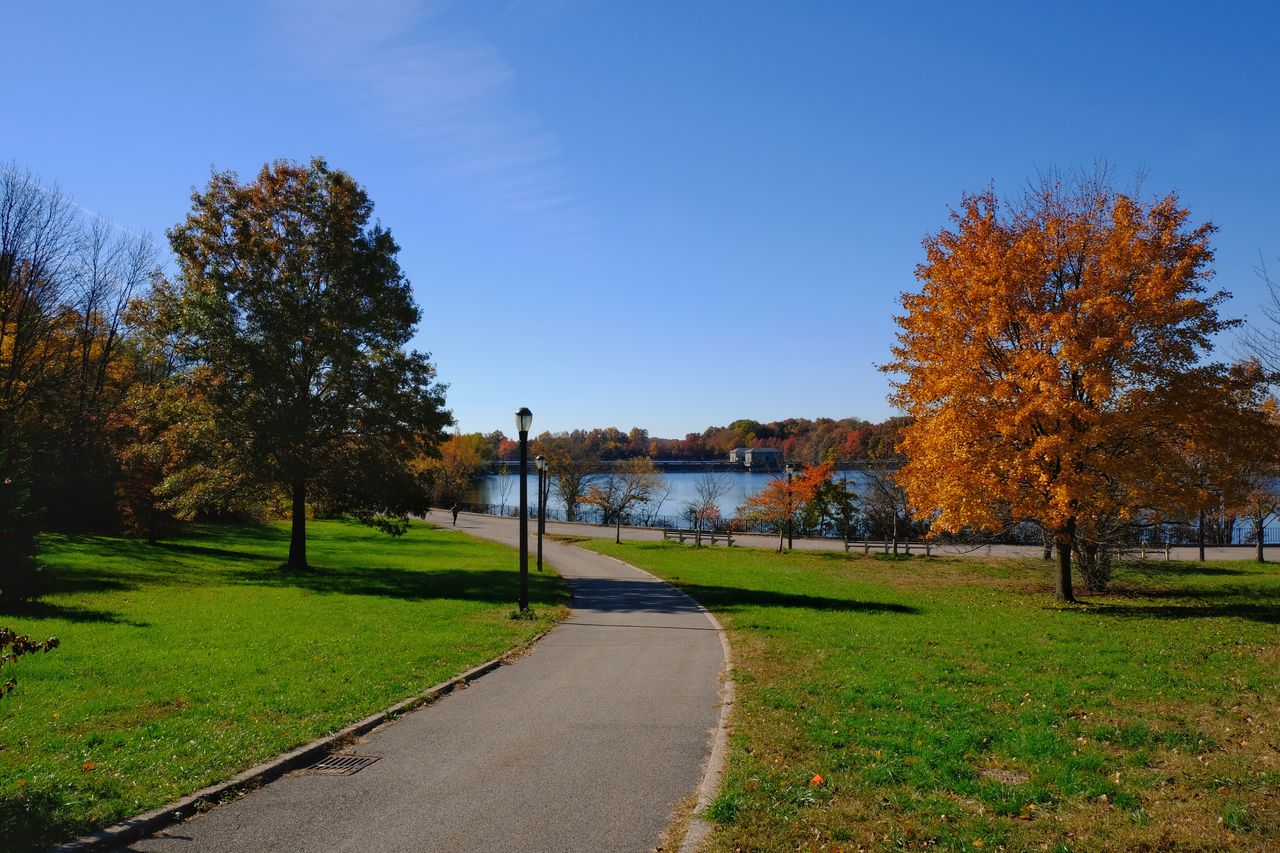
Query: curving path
point(586, 744)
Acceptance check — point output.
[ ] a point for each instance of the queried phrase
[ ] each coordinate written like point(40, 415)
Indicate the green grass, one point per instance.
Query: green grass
point(953, 704)
point(188, 661)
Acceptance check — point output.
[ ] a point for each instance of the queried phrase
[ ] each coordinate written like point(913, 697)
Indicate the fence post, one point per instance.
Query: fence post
point(886, 546)
point(928, 548)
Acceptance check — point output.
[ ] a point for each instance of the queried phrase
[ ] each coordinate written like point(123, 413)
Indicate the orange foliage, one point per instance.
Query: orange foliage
point(784, 497)
point(1047, 357)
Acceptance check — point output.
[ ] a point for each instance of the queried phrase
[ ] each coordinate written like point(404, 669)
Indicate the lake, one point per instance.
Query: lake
point(503, 490)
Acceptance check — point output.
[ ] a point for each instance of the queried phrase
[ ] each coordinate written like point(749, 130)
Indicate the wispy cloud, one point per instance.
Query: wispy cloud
point(451, 93)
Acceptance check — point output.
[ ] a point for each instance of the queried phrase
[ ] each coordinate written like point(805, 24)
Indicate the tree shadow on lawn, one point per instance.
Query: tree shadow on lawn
point(39, 609)
point(734, 598)
point(196, 550)
point(1254, 612)
point(490, 585)
point(1155, 569)
point(35, 817)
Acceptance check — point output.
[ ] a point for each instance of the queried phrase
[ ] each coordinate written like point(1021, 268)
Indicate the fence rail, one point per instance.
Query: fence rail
point(871, 531)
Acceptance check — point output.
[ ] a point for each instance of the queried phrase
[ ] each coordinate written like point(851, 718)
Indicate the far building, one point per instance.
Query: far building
point(757, 457)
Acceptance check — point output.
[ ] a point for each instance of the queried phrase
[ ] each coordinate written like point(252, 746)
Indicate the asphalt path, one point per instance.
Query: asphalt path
point(587, 743)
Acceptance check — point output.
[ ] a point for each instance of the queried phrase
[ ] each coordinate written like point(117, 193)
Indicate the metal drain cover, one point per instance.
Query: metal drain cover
point(341, 765)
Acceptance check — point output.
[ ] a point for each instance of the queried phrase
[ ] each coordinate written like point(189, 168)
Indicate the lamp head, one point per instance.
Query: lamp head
point(524, 419)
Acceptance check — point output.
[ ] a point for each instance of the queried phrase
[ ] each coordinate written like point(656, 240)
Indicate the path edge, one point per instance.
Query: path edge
point(149, 822)
point(718, 758)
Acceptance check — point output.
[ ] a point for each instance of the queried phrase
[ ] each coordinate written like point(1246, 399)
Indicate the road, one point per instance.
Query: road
point(586, 743)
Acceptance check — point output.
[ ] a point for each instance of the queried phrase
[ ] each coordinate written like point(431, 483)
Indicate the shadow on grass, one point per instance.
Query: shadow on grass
point(1196, 595)
point(34, 817)
point(732, 598)
point(1156, 569)
point(39, 609)
point(489, 585)
point(1269, 614)
point(196, 550)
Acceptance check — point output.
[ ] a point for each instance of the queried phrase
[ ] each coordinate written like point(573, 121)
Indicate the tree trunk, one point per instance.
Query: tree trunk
point(1259, 529)
point(1200, 535)
point(298, 541)
point(1063, 538)
point(781, 533)
point(617, 530)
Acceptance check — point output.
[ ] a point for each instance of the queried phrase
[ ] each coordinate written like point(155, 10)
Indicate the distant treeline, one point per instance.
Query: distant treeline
point(800, 440)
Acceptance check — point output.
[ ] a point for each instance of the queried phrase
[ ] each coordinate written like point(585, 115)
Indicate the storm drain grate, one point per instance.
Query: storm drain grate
point(341, 765)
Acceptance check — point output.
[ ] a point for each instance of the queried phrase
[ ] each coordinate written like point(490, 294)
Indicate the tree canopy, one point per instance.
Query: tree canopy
point(1048, 360)
point(291, 317)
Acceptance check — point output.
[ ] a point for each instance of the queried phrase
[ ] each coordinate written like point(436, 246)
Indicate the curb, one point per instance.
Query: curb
point(149, 822)
point(713, 775)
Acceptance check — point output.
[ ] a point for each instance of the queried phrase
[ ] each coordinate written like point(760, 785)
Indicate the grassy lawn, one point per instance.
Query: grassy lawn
point(186, 662)
point(952, 704)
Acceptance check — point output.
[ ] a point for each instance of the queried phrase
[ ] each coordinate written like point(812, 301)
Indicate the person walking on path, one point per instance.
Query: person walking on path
point(454, 509)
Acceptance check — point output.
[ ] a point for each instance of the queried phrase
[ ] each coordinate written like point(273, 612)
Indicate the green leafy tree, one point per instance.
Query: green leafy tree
point(296, 310)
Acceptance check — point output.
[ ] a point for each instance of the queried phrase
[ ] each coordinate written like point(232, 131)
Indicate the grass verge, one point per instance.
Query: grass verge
point(186, 662)
point(952, 704)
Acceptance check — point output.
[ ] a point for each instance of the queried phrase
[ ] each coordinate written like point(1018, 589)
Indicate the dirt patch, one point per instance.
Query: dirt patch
point(1004, 777)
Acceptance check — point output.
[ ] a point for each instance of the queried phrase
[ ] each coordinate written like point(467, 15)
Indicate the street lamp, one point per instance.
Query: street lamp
point(791, 511)
point(524, 420)
point(541, 464)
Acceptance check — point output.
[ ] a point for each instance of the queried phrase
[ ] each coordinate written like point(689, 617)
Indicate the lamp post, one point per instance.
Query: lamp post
point(791, 511)
point(524, 420)
point(541, 464)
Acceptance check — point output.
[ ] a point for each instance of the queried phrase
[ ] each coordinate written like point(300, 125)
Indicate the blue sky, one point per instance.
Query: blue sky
point(657, 214)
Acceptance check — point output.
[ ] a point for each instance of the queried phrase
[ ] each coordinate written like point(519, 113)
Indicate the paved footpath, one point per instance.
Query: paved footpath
point(587, 743)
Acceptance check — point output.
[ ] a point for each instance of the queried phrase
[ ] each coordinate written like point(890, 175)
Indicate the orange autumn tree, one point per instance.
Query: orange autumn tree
point(1046, 357)
point(779, 502)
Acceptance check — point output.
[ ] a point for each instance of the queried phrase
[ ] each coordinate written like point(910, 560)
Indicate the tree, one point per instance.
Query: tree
point(887, 505)
point(627, 485)
point(66, 361)
point(571, 463)
point(1046, 357)
point(778, 503)
point(834, 505)
point(705, 504)
point(454, 467)
point(296, 310)
point(1225, 452)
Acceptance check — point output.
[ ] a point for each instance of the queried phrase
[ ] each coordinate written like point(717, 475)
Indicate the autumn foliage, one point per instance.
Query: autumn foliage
point(778, 503)
point(1049, 358)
